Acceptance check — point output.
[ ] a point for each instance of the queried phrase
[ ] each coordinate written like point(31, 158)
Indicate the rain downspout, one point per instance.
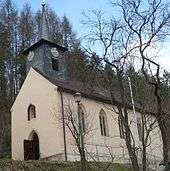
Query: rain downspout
point(63, 121)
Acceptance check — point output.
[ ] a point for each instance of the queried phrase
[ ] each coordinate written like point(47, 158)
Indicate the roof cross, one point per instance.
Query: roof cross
point(43, 2)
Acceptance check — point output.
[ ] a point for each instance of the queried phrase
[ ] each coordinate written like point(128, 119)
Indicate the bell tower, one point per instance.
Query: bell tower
point(45, 55)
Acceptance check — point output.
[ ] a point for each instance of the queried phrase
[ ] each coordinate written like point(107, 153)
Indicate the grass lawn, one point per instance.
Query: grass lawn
point(59, 166)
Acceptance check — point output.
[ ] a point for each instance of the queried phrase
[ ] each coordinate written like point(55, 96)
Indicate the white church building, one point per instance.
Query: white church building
point(39, 115)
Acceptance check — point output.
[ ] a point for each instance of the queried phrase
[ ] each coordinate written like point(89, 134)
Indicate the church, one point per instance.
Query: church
point(44, 116)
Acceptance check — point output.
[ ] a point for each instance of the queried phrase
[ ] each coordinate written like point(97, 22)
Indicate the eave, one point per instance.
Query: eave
point(43, 41)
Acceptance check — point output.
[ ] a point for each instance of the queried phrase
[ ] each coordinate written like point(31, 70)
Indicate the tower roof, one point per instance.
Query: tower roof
point(42, 41)
point(44, 29)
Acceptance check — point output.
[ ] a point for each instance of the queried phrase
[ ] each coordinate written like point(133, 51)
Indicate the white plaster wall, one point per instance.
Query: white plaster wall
point(40, 92)
point(156, 143)
point(95, 143)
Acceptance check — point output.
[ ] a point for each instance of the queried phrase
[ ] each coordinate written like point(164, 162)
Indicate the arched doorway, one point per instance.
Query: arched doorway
point(36, 150)
point(31, 147)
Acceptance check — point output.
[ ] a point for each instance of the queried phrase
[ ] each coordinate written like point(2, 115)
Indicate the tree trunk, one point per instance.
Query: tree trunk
point(144, 158)
point(128, 137)
point(130, 146)
point(1, 133)
point(164, 139)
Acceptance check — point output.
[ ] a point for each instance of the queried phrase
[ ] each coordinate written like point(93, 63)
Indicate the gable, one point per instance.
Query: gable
point(34, 85)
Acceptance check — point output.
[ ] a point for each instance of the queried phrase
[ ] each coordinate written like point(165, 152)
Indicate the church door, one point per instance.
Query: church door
point(28, 150)
point(31, 148)
point(36, 150)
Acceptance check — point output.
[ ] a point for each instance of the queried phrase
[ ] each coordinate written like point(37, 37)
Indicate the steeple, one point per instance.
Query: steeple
point(44, 29)
point(45, 55)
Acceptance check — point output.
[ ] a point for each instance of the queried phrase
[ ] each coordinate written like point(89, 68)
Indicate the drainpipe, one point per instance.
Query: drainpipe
point(132, 99)
point(133, 107)
point(63, 120)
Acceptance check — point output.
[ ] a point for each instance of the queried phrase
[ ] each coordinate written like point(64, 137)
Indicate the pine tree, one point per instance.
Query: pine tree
point(69, 37)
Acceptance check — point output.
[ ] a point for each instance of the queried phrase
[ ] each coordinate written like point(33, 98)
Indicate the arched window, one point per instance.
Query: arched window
point(83, 115)
point(31, 112)
point(103, 123)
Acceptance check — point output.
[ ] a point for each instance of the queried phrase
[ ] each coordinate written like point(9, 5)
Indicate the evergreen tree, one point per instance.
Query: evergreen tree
point(69, 37)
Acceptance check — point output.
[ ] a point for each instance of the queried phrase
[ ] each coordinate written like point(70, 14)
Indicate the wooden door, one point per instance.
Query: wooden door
point(35, 142)
point(28, 150)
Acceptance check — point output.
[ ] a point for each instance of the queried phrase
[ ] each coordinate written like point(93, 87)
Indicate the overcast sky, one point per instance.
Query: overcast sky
point(73, 10)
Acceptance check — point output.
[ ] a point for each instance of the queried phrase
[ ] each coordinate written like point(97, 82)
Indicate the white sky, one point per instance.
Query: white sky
point(164, 58)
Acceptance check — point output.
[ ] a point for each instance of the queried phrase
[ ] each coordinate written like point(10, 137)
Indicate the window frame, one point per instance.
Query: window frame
point(104, 130)
point(31, 112)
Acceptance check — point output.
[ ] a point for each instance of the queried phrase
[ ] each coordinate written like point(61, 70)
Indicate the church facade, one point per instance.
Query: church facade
point(42, 110)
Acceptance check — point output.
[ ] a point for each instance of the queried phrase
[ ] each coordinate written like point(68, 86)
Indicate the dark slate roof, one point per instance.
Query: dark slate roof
point(72, 87)
point(43, 41)
point(95, 93)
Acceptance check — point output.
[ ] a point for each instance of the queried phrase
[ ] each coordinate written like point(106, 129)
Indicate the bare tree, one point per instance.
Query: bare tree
point(149, 26)
point(88, 126)
point(107, 34)
point(76, 123)
point(133, 36)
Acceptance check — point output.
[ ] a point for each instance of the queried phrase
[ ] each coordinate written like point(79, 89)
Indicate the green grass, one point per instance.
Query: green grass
point(59, 166)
